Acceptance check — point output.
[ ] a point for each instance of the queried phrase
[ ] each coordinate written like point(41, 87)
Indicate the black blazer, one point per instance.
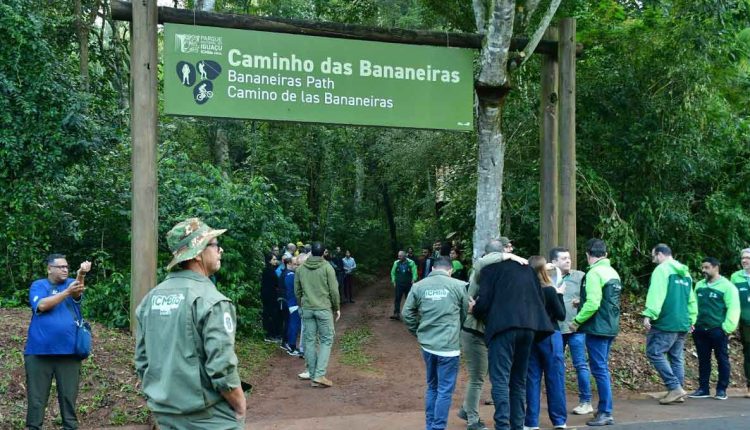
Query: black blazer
point(510, 296)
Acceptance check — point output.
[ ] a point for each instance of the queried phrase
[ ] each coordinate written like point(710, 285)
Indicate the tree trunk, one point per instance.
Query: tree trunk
point(83, 41)
point(492, 87)
point(117, 59)
point(389, 216)
point(491, 143)
point(84, 21)
point(220, 146)
point(359, 183)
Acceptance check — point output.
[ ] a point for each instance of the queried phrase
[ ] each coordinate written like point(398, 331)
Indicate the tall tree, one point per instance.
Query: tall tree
point(496, 19)
point(85, 15)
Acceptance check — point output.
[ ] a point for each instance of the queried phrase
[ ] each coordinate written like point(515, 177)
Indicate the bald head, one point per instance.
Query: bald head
point(494, 245)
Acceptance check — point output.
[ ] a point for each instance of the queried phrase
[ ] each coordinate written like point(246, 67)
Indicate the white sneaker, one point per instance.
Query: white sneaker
point(304, 375)
point(560, 426)
point(530, 428)
point(583, 409)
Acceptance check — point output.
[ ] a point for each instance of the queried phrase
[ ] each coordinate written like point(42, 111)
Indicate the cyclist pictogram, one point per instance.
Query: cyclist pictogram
point(200, 76)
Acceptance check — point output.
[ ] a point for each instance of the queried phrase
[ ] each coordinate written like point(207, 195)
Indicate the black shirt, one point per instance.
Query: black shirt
point(554, 304)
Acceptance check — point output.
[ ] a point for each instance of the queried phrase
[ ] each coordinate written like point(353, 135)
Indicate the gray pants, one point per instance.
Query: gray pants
point(218, 417)
point(474, 352)
point(40, 369)
point(318, 327)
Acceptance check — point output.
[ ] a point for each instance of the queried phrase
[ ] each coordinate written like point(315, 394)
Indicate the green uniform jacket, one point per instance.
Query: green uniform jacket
point(184, 344)
point(600, 296)
point(395, 275)
point(718, 305)
point(741, 280)
point(434, 311)
point(671, 303)
point(315, 285)
point(472, 324)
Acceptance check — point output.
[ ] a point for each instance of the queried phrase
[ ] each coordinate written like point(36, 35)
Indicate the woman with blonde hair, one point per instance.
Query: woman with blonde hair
point(547, 356)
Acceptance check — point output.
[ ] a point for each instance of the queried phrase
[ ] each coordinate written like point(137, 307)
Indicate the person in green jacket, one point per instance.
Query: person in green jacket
point(599, 318)
point(317, 291)
point(459, 271)
point(184, 342)
point(434, 311)
point(741, 279)
point(671, 311)
point(403, 275)
point(718, 315)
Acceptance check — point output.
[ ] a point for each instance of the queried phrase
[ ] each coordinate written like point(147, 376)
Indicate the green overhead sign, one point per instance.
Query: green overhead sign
point(230, 73)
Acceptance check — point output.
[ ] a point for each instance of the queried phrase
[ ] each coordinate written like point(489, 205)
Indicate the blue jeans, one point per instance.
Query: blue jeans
point(717, 341)
point(546, 357)
point(576, 342)
point(508, 359)
point(441, 381)
point(665, 351)
point(292, 329)
point(598, 348)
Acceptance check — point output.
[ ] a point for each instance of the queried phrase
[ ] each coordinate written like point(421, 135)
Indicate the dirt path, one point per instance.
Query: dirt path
point(393, 383)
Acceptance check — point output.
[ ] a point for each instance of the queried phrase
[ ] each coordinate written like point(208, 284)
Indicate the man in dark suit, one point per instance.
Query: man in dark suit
point(511, 304)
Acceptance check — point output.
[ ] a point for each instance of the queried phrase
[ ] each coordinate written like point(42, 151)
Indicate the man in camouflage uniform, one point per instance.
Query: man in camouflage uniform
point(184, 352)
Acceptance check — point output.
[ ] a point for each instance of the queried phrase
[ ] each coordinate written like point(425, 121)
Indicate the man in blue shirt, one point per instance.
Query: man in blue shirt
point(50, 346)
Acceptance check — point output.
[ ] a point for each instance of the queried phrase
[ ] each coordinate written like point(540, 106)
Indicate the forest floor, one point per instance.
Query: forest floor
point(375, 365)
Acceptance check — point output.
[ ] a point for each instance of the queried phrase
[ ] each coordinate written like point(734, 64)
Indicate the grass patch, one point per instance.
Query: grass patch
point(253, 355)
point(352, 345)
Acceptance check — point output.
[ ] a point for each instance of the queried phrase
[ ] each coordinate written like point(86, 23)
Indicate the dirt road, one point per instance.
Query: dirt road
point(393, 383)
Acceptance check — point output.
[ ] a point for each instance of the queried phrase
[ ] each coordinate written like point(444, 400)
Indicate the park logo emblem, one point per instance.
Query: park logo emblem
point(204, 71)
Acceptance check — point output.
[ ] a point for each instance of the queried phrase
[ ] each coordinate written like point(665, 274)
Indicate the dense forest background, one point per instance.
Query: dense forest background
point(662, 135)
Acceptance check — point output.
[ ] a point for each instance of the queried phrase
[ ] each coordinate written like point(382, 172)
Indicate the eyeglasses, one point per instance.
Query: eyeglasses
point(63, 267)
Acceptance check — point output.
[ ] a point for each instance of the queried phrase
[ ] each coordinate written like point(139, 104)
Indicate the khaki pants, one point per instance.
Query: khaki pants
point(474, 351)
point(218, 417)
point(318, 332)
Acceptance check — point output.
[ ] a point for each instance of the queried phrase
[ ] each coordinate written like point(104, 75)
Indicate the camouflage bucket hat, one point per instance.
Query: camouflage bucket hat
point(189, 238)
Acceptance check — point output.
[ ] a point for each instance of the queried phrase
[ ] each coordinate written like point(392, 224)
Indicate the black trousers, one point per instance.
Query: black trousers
point(401, 291)
point(508, 359)
point(271, 317)
point(708, 341)
point(40, 369)
point(348, 281)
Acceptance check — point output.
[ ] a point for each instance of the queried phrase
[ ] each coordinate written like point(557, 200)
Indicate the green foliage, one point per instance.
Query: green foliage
point(662, 131)
point(65, 170)
point(671, 108)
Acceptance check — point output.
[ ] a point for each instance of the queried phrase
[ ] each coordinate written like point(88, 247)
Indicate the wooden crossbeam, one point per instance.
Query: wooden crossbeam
point(122, 11)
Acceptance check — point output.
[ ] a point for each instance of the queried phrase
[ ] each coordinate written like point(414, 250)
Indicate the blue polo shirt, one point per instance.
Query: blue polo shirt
point(52, 332)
